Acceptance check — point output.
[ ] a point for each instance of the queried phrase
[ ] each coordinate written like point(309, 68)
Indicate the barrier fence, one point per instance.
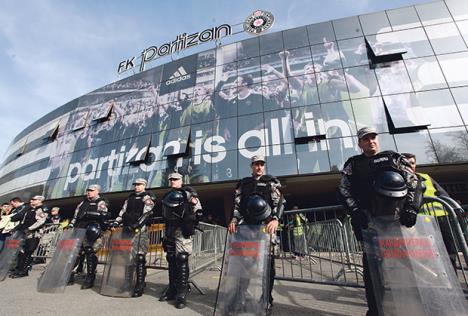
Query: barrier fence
point(317, 245)
point(320, 247)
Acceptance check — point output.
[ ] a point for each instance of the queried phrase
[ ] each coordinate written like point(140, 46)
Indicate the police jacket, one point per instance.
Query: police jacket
point(359, 174)
point(137, 209)
point(181, 216)
point(31, 219)
point(91, 211)
point(266, 186)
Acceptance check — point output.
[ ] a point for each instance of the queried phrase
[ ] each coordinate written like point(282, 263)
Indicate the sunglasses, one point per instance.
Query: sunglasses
point(173, 179)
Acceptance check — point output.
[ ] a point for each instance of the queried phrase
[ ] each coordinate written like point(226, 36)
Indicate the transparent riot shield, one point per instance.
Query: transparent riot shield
point(10, 252)
point(58, 271)
point(410, 269)
point(118, 278)
point(243, 287)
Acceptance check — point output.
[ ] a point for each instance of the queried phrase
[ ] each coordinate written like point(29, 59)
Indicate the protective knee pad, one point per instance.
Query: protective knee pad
point(89, 251)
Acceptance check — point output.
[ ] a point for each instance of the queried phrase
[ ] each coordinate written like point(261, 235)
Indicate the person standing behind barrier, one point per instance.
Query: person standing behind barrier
point(258, 200)
point(181, 209)
point(31, 219)
point(4, 219)
point(90, 214)
point(357, 192)
point(134, 215)
point(433, 189)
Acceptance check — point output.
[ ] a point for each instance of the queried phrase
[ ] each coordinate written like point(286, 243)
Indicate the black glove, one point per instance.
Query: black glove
point(69, 226)
point(359, 221)
point(198, 216)
point(408, 217)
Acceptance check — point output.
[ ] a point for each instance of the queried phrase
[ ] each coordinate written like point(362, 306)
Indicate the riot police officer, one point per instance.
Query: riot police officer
point(134, 215)
point(181, 212)
point(258, 200)
point(361, 175)
point(31, 219)
point(90, 215)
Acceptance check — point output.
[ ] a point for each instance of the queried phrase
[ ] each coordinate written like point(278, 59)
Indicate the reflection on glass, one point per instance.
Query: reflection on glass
point(413, 41)
point(250, 66)
point(200, 109)
point(463, 27)
point(445, 38)
point(405, 110)
point(224, 169)
point(327, 56)
point(272, 66)
point(308, 121)
point(362, 82)
point(370, 112)
point(393, 78)
point(248, 48)
point(249, 96)
point(375, 23)
point(225, 74)
point(271, 43)
point(331, 85)
point(347, 28)
point(454, 68)
point(177, 141)
point(433, 13)
point(296, 60)
point(461, 98)
point(251, 131)
point(425, 73)
point(275, 95)
point(283, 164)
point(459, 9)
point(206, 59)
point(225, 103)
point(354, 52)
point(227, 130)
point(450, 144)
point(403, 18)
point(312, 157)
point(340, 150)
point(200, 169)
point(439, 108)
point(339, 119)
point(279, 130)
point(226, 54)
point(418, 143)
point(320, 33)
point(303, 89)
point(201, 140)
point(386, 142)
point(294, 38)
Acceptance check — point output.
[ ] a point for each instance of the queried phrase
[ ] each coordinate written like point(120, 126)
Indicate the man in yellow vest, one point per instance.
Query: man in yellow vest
point(433, 189)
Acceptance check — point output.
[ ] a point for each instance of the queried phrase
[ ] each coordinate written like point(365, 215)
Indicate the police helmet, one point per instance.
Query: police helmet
point(173, 199)
point(390, 184)
point(257, 208)
point(93, 231)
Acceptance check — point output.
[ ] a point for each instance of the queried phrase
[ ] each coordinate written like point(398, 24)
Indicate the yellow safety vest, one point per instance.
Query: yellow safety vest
point(432, 208)
point(298, 229)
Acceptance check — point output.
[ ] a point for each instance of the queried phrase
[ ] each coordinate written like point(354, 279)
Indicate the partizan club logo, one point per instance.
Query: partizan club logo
point(258, 22)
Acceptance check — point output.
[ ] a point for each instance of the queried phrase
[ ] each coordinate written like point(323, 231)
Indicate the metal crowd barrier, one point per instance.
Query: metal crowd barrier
point(321, 250)
point(48, 241)
point(208, 246)
point(324, 249)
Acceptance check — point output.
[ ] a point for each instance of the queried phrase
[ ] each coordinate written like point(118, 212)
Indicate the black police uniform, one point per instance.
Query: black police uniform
point(258, 201)
point(357, 193)
point(31, 221)
point(181, 217)
point(134, 215)
point(90, 215)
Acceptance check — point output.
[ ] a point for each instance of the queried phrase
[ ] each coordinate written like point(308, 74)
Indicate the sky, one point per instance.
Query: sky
point(53, 51)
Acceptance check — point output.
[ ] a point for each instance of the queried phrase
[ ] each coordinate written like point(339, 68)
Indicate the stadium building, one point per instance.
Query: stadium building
point(297, 96)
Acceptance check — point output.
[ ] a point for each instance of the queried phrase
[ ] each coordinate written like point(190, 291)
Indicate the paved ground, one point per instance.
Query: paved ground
point(19, 297)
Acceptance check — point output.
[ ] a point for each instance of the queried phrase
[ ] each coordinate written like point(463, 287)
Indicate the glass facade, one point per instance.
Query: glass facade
point(297, 96)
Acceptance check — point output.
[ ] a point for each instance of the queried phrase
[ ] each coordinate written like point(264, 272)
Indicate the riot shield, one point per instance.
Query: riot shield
point(10, 252)
point(118, 278)
point(410, 269)
point(58, 271)
point(243, 287)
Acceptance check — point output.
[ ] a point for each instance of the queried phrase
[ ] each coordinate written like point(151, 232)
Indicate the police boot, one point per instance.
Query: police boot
point(182, 279)
point(71, 279)
point(23, 266)
point(170, 291)
point(81, 259)
point(91, 264)
point(140, 276)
